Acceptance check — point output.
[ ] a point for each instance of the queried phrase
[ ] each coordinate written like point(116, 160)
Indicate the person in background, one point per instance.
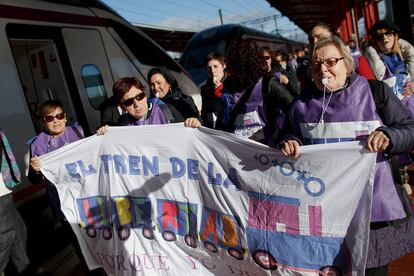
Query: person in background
point(353, 48)
point(165, 88)
point(322, 29)
point(253, 93)
point(211, 91)
point(13, 233)
point(292, 61)
point(339, 99)
point(110, 111)
point(57, 135)
point(302, 69)
point(287, 73)
point(391, 58)
point(129, 93)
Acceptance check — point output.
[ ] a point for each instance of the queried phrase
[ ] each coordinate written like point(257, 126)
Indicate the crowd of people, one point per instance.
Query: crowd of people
point(267, 95)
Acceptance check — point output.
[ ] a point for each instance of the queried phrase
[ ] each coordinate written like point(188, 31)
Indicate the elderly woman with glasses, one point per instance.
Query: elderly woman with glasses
point(57, 135)
point(129, 93)
point(339, 106)
point(391, 58)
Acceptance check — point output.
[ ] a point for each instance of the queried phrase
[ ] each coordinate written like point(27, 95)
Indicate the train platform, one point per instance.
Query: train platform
point(52, 254)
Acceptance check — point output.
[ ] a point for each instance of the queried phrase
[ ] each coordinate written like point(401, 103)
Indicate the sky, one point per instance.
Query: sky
point(196, 15)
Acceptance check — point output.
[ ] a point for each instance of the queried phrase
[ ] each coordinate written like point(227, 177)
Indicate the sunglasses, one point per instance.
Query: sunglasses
point(130, 101)
point(267, 57)
point(386, 34)
point(50, 118)
point(329, 62)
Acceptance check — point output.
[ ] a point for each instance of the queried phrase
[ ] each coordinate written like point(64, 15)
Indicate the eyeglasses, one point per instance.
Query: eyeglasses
point(267, 57)
point(50, 118)
point(329, 62)
point(137, 97)
point(386, 34)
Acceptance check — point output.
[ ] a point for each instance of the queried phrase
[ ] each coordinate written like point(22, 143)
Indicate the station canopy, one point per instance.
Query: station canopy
point(169, 39)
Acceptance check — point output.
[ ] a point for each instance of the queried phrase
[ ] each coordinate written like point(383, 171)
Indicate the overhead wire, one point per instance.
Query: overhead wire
point(230, 13)
point(174, 21)
point(186, 25)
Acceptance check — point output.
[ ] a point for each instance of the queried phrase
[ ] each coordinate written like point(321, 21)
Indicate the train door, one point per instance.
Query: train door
point(90, 67)
point(41, 76)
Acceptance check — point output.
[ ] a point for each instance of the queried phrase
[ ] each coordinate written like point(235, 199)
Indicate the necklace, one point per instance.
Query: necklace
point(321, 120)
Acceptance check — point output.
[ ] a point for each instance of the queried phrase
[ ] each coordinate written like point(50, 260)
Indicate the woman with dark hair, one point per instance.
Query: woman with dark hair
point(252, 97)
point(165, 88)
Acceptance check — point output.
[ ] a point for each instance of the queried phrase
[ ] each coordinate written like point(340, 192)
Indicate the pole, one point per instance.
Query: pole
point(221, 17)
point(275, 19)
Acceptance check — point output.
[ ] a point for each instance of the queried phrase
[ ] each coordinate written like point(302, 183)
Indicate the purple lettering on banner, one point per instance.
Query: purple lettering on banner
point(111, 261)
point(315, 220)
point(135, 262)
point(120, 262)
point(146, 257)
point(193, 263)
point(163, 263)
point(101, 258)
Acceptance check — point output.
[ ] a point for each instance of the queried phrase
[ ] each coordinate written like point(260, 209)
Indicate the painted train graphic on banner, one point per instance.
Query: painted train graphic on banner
point(271, 231)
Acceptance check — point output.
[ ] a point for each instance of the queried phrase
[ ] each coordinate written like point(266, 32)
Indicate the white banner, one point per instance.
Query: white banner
point(170, 200)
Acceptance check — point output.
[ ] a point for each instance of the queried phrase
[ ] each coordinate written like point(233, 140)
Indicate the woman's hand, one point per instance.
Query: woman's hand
point(284, 79)
point(377, 141)
point(102, 130)
point(192, 122)
point(35, 164)
point(291, 148)
point(216, 81)
point(408, 89)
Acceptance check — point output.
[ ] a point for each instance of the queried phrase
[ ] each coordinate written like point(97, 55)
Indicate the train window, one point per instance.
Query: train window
point(95, 88)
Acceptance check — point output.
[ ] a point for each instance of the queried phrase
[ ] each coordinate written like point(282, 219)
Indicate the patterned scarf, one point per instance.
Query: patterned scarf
point(9, 169)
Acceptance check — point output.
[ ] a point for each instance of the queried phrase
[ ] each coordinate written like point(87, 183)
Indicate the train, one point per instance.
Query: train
point(216, 39)
point(71, 50)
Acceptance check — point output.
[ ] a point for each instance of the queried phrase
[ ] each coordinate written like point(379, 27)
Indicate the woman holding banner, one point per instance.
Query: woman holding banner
point(129, 93)
point(57, 135)
point(341, 106)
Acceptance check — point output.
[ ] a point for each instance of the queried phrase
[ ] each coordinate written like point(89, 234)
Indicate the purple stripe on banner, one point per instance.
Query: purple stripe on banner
point(315, 220)
point(265, 215)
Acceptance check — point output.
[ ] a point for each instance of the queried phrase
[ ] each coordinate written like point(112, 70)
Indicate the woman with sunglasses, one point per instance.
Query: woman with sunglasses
point(56, 135)
point(342, 106)
point(129, 93)
point(391, 58)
